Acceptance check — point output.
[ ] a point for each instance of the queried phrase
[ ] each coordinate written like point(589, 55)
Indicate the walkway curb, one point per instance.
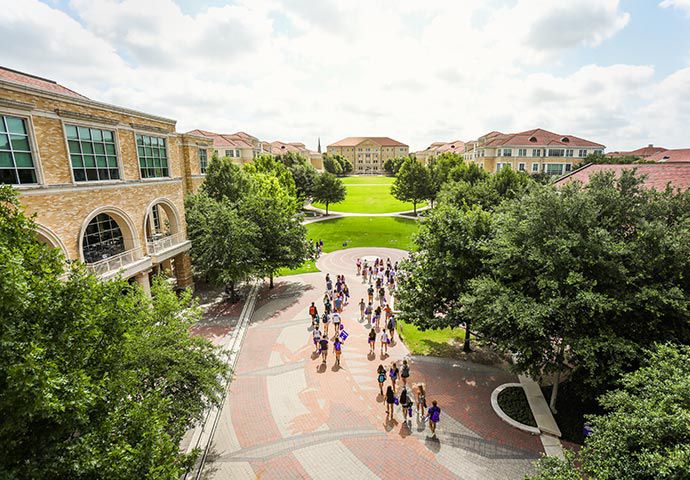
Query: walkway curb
point(550, 433)
point(203, 434)
point(504, 416)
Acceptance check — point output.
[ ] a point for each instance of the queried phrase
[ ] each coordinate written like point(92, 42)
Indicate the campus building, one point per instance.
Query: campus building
point(437, 148)
point(532, 151)
point(656, 175)
point(644, 152)
point(106, 183)
point(240, 147)
point(368, 154)
point(281, 148)
point(671, 156)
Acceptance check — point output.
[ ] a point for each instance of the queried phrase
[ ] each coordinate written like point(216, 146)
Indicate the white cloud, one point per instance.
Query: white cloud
point(683, 5)
point(297, 69)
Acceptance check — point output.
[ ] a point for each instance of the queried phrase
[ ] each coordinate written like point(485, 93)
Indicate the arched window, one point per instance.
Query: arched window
point(102, 239)
point(565, 140)
point(532, 139)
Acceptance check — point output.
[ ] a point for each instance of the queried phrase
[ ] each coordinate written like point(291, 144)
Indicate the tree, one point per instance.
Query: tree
point(600, 158)
point(269, 165)
point(304, 176)
point(440, 169)
point(644, 433)
point(470, 185)
point(224, 248)
point(345, 164)
point(411, 183)
point(225, 179)
point(449, 254)
point(328, 189)
point(392, 165)
point(280, 237)
point(331, 165)
point(98, 380)
point(585, 278)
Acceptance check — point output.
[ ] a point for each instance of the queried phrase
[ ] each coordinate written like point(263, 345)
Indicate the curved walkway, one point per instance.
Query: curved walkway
point(288, 416)
point(407, 213)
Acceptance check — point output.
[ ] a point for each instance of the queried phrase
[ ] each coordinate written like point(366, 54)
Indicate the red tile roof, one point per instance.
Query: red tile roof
point(14, 76)
point(536, 137)
point(354, 141)
point(278, 148)
point(677, 155)
point(643, 152)
point(223, 140)
point(658, 175)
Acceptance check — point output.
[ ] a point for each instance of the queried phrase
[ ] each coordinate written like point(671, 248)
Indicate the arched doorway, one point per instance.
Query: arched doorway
point(162, 225)
point(102, 239)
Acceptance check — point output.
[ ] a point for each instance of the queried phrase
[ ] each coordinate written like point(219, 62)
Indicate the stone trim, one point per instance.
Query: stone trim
point(86, 117)
point(150, 128)
point(504, 416)
point(7, 103)
point(109, 184)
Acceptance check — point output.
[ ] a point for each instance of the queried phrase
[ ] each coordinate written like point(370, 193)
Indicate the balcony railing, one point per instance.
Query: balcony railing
point(163, 243)
point(116, 262)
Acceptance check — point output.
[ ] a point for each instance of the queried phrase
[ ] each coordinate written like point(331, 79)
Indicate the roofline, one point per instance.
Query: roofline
point(82, 101)
point(573, 172)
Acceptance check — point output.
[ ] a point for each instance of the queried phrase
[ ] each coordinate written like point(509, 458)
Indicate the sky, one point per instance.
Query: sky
point(613, 71)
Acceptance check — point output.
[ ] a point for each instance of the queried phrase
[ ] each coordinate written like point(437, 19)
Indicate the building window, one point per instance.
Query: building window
point(153, 158)
point(92, 153)
point(536, 152)
point(599, 152)
point(569, 152)
point(521, 167)
point(230, 153)
point(535, 168)
point(500, 165)
point(554, 168)
point(16, 162)
point(498, 152)
point(203, 160)
point(568, 167)
point(102, 239)
point(522, 152)
point(582, 153)
point(556, 152)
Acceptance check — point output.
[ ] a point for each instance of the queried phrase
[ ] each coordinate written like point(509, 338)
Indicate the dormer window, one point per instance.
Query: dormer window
point(532, 138)
point(565, 140)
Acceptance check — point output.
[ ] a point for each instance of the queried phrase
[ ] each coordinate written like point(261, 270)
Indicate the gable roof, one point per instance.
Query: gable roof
point(643, 152)
point(52, 86)
point(677, 155)
point(354, 141)
point(536, 137)
point(226, 140)
point(658, 175)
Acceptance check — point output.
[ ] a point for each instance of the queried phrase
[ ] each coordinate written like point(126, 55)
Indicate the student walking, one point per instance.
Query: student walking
point(434, 417)
point(359, 266)
point(393, 373)
point(384, 342)
point(390, 402)
point(323, 346)
point(362, 307)
point(337, 349)
point(372, 340)
point(405, 404)
point(325, 319)
point(381, 377)
point(405, 373)
point(336, 323)
point(326, 303)
point(370, 294)
point(365, 273)
point(367, 312)
point(313, 312)
point(391, 327)
point(421, 399)
point(346, 294)
point(317, 338)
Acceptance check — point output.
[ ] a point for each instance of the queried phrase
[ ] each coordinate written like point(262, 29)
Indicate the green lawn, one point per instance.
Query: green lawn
point(358, 232)
point(369, 195)
point(438, 343)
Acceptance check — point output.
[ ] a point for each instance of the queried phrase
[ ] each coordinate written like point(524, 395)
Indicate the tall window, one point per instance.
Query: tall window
point(535, 167)
point(582, 153)
point(507, 152)
point(92, 153)
point(522, 152)
point(153, 157)
point(521, 167)
point(555, 152)
point(16, 161)
point(569, 152)
point(230, 153)
point(554, 168)
point(203, 160)
point(536, 152)
point(102, 239)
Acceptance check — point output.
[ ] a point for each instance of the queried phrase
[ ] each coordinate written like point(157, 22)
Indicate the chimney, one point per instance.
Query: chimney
point(650, 145)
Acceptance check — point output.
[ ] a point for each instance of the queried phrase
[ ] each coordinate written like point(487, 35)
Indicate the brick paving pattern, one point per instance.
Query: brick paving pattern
point(288, 416)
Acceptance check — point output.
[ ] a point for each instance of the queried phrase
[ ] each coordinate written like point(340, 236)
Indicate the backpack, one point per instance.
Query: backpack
point(405, 371)
point(436, 415)
point(312, 310)
point(382, 377)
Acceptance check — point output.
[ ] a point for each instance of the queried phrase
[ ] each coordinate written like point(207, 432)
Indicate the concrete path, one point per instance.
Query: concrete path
point(287, 416)
point(406, 213)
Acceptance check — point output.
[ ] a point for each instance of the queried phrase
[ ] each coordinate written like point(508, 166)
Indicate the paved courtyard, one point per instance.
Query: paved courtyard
point(288, 417)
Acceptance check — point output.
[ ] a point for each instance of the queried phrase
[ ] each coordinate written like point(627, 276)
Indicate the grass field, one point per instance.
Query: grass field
point(369, 195)
point(438, 343)
point(358, 232)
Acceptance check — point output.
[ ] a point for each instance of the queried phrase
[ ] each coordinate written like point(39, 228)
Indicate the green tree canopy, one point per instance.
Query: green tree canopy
point(332, 165)
point(644, 433)
point(470, 185)
point(97, 379)
point(225, 179)
point(412, 183)
point(392, 165)
point(586, 277)
point(449, 254)
point(267, 164)
point(440, 168)
point(328, 189)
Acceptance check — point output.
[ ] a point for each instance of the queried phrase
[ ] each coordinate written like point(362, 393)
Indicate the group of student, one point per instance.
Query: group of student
point(334, 300)
point(404, 399)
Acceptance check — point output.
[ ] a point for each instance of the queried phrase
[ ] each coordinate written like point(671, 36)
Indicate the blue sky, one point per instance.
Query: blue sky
point(613, 71)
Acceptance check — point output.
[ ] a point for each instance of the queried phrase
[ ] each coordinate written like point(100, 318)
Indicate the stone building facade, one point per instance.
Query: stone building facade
point(368, 154)
point(106, 184)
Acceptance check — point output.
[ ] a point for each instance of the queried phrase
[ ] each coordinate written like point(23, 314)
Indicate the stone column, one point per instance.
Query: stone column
point(183, 270)
point(143, 280)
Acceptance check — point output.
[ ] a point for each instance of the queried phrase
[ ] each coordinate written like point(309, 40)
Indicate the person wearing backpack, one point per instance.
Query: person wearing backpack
point(362, 307)
point(323, 346)
point(370, 294)
point(325, 319)
point(372, 340)
point(381, 377)
point(384, 342)
point(434, 417)
point(421, 399)
point(317, 338)
point(390, 402)
point(391, 327)
point(313, 312)
point(405, 373)
point(337, 349)
point(393, 373)
point(367, 312)
point(405, 404)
